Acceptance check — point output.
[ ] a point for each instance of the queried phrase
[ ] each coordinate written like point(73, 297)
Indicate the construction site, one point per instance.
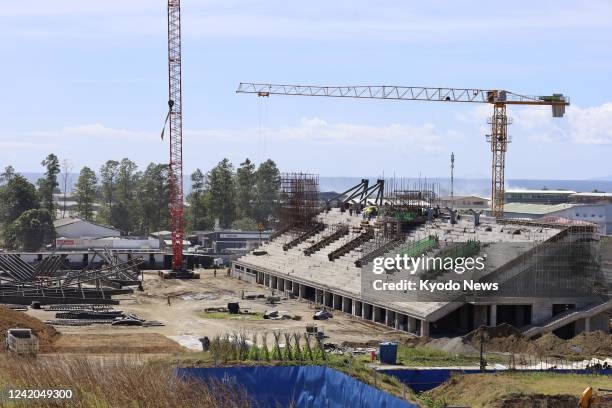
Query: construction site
point(548, 271)
point(338, 280)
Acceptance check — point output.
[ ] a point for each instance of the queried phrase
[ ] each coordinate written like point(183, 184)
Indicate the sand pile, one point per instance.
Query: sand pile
point(503, 338)
point(9, 319)
point(506, 339)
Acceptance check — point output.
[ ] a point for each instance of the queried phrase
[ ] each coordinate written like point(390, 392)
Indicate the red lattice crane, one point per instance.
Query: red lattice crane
point(499, 120)
point(175, 127)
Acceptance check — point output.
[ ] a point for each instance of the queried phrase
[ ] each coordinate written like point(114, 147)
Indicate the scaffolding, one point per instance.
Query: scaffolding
point(299, 201)
point(565, 265)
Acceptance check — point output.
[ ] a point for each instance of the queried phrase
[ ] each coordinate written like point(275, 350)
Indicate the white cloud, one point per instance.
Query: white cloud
point(95, 131)
point(425, 137)
point(589, 125)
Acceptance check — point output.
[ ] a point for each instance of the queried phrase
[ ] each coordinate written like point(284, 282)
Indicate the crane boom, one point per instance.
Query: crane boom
point(175, 118)
point(406, 93)
point(498, 98)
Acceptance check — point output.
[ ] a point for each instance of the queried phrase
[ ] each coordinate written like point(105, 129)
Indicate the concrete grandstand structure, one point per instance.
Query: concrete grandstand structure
point(538, 265)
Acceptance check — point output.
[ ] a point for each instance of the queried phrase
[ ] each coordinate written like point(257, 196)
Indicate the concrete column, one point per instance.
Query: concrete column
point(424, 328)
point(493, 315)
point(377, 311)
point(353, 307)
point(541, 311)
point(411, 324)
point(587, 324)
point(480, 315)
point(397, 321)
point(295, 289)
point(463, 319)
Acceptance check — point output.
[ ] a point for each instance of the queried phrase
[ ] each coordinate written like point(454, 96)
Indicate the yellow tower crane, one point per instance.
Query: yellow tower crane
point(499, 120)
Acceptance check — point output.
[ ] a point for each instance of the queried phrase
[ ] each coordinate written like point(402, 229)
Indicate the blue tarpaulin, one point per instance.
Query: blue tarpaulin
point(304, 386)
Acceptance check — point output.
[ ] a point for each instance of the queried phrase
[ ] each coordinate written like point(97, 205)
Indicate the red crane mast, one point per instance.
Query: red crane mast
point(175, 119)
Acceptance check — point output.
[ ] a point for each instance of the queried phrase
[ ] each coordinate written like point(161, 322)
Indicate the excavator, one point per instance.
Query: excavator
point(589, 400)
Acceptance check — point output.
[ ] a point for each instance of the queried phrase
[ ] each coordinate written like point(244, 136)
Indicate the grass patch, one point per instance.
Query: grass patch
point(230, 316)
point(113, 383)
point(481, 390)
point(428, 356)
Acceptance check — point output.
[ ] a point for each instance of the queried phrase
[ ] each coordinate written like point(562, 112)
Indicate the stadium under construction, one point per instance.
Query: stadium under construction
point(548, 272)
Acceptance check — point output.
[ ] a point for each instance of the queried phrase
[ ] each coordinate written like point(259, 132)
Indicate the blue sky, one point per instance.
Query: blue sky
point(87, 81)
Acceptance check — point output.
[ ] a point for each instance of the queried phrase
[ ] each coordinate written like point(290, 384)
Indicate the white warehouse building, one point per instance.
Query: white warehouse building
point(79, 228)
point(599, 214)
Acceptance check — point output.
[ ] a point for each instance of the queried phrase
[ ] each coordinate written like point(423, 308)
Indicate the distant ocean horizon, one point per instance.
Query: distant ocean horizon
point(476, 186)
point(462, 186)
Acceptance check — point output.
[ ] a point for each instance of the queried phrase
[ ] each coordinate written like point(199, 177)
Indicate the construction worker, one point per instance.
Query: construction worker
point(168, 298)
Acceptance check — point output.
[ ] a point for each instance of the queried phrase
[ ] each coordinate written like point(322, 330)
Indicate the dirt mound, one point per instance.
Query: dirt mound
point(548, 344)
point(503, 330)
point(506, 339)
point(9, 319)
point(589, 344)
point(594, 343)
point(503, 338)
point(536, 400)
point(117, 343)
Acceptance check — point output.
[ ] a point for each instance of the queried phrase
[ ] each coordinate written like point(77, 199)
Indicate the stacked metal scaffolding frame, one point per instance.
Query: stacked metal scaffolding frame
point(564, 265)
point(359, 194)
point(22, 283)
point(404, 205)
point(299, 201)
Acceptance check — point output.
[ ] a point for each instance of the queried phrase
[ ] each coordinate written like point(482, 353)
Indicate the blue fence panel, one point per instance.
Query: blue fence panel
point(305, 386)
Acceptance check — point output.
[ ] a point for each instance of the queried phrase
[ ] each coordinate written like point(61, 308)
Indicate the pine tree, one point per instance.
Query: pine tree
point(267, 188)
point(222, 197)
point(245, 189)
point(85, 193)
point(48, 185)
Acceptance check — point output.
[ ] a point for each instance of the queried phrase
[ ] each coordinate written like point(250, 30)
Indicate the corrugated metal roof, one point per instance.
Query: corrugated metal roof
point(72, 220)
point(65, 221)
point(540, 192)
point(593, 194)
point(536, 209)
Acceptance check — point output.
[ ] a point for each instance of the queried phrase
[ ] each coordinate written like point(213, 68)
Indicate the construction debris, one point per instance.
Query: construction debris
point(50, 282)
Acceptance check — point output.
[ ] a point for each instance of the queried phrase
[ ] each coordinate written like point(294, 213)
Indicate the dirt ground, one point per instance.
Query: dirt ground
point(519, 390)
point(184, 322)
point(12, 319)
point(108, 343)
